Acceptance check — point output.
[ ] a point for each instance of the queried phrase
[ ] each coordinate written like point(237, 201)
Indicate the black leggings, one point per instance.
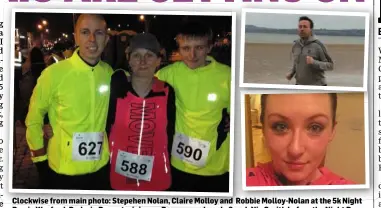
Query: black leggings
point(186, 182)
point(99, 180)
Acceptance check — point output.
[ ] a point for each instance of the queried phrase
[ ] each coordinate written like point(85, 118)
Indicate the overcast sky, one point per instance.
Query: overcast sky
point(290, 21)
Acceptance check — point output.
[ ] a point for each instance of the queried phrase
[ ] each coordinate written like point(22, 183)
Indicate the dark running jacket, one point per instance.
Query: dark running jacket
point(140, 135)
point(310, 74)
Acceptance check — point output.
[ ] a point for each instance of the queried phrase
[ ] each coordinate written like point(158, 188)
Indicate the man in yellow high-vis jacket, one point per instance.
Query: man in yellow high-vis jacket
point(75, 94)
point(200, 150)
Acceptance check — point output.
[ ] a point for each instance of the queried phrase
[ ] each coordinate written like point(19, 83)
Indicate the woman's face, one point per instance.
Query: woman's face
point(143, 62)
point(297, 130)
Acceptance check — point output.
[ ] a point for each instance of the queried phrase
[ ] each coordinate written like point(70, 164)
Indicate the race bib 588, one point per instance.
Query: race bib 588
point(134, 166)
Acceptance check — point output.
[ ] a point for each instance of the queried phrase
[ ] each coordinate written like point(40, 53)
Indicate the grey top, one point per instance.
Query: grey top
point(310, 74)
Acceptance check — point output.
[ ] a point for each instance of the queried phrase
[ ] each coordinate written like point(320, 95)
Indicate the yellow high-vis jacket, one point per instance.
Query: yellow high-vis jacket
point(201, 147)
point(76, 97)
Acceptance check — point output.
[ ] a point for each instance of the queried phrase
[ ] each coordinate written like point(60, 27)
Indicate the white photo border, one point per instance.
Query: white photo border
point(130, 193)
point(306, 87)
point(322, 187)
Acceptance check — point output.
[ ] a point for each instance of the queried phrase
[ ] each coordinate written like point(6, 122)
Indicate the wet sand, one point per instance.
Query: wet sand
point(269, 64)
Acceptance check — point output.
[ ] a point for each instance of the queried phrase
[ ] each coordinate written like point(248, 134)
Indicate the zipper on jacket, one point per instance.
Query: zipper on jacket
point(141, 133)
point(141, 127)
point(93, 90)
point(301, 52)
point(92, 102)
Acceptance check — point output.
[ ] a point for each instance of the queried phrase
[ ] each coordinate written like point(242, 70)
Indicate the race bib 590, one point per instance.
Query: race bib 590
point(190, 150)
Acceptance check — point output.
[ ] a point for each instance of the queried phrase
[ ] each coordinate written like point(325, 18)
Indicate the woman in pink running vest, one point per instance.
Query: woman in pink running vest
point(297, 129)
point(141, 121)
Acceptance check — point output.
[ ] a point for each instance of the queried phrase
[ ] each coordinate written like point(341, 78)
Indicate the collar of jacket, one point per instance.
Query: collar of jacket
point(310, 39)
point(79, 63)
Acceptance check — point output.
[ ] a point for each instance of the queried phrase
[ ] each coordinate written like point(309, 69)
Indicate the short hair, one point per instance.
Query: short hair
point(308, 19)
point(97, 16)
point(332, 96)
point(195, 29)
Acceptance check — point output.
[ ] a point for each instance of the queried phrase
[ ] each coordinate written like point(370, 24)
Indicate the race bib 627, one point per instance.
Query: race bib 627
point(87, 146)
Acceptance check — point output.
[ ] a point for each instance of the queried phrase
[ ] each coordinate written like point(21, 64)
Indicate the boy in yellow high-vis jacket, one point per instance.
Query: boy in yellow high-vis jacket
point(200, 151)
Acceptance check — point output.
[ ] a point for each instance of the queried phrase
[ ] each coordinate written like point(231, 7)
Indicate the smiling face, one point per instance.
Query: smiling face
point(143, 63)
point(91, 37)
point(297, 130)
point(193, 50)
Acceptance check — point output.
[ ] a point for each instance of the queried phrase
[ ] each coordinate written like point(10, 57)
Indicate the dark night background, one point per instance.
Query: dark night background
point(163, 26)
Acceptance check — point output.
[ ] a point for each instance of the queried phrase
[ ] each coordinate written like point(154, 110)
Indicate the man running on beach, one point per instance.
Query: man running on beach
point(311, 58)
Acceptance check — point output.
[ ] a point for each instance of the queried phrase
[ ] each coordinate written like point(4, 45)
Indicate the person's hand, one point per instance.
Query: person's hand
point(309, 59)
point(289, 76)
point(48, 131)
